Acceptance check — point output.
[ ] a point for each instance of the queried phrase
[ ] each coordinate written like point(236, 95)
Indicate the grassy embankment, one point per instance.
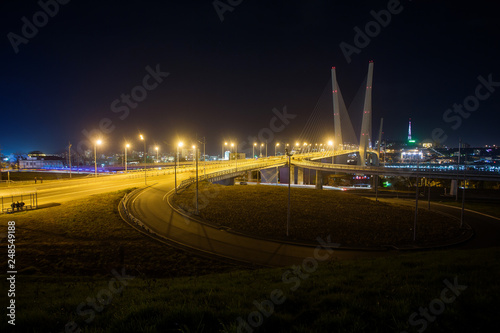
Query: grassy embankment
point(65, 255)
point(349, 219)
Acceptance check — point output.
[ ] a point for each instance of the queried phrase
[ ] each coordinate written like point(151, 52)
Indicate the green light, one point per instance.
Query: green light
point(411, 141)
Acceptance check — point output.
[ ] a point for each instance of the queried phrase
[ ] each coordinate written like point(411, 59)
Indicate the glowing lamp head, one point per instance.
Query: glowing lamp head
point(127, 146)
point(98, 142)
point(141, 137)
point(330, 143)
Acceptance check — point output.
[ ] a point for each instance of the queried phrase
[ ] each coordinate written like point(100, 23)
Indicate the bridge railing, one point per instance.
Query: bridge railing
point(247, 166)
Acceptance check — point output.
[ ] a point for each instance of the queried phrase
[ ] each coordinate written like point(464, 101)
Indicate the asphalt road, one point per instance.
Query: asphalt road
point(151, 207)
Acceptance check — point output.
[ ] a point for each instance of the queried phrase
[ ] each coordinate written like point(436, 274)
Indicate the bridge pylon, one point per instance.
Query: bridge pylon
point(366, 124)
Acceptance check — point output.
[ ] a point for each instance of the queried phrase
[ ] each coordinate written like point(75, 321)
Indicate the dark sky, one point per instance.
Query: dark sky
point(226, 77)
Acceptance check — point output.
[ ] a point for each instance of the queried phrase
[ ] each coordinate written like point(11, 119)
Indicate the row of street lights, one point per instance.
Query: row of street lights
point(180, 144)
point(127, 145)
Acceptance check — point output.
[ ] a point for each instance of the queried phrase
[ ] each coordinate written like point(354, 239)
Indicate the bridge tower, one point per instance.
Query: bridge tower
point(336, 109)
point(366, 124)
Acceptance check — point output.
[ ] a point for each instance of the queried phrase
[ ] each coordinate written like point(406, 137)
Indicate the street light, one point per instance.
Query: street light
point(330, 143)
point(143, 139)
point(235, 156)
point(180, 144)
point(288, 215)
point(260, 151)
point(222, 156)
point(156, 148)
point(98, 142)
point(253, 149)
point(126, 146)
point(196, 159)
point(277, 145)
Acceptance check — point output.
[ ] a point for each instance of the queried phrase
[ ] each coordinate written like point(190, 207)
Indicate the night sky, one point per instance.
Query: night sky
point(225, 77)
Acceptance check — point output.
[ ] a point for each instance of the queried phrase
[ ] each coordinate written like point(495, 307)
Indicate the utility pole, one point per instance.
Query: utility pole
point(69, 157)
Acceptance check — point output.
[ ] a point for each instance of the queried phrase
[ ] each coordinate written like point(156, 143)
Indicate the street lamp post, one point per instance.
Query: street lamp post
point(330, 143)
point(275, 147)
point(266, 148)
point(222, 155)
point(196, 159)
point(260, 150)
point(253, 150)
point(288, 215)
point(180, 144)
point(126, 146)
point(156, 148)
point(69, 155)
point(145, 176)
point(235, 156)
point(98, 142)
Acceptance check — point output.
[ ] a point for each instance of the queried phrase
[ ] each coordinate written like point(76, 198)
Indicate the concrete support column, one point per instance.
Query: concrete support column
point(300, 176)
point(319, 180)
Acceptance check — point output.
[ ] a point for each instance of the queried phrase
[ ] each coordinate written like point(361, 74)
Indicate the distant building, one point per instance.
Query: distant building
point(39, 160)
point(411, 155)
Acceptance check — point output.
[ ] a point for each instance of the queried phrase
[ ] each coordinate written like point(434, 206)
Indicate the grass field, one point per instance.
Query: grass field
point(349, 219)
point(88, 237)
point(66, 255)
point(376, 295)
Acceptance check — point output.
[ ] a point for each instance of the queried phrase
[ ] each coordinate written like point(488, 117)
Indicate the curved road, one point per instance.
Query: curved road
point(151, 207)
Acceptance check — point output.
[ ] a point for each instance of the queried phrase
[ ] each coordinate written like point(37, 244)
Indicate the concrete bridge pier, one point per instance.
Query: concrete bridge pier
point(269, 175)
point(319, 180)
point(300, 176)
